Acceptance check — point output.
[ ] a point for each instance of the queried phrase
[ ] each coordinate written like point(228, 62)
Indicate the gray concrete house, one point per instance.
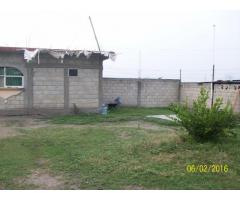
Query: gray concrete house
point(34, 81)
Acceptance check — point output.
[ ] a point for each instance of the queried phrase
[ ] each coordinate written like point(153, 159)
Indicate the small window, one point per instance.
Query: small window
point(1, 81)
point(13, 72)
point(73, 72)
point(1, 71)
point(13, 81)
point(10, 77)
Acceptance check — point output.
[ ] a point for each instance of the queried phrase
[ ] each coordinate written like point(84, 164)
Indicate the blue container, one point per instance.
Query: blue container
point(104, 109)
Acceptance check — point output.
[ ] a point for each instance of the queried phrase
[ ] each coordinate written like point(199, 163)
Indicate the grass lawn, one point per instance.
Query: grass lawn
point(123, 150)
point(123, 114)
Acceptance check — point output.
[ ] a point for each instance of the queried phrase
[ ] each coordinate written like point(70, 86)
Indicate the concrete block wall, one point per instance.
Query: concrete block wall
point(147, 92)
point(228, 92)
point(83, 89)
point(48, 88)
point(127, 89)
point(161, 92)
point(190, 91)
point(13, 102)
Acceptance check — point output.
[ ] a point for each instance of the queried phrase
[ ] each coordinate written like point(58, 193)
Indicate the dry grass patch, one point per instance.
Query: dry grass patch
point(23, 122)
point(133, 187)
point(42, 180)
point(163, 157)
point(10, 126)
point(124, 135)
point(6, 132)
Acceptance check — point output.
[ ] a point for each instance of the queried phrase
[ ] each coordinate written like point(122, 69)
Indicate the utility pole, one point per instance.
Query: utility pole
point(213, 68)
point(139, 64)
point(139, 78)
point(180, 75)
point(139, 83)
point(179, 87)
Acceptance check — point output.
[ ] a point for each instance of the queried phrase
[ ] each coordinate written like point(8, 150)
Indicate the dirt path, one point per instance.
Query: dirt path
point(9, 126)
point(130, 124)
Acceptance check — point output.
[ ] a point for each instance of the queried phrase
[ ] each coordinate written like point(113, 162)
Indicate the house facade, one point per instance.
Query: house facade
point(36, 81)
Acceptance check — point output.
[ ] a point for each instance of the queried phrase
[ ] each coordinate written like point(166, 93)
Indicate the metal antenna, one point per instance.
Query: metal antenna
point(213, 69)
point(180, 75)
point(179, 86)
point(94, 33)
point(140, 65)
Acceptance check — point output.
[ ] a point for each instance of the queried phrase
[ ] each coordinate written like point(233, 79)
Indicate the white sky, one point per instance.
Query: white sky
point(169, 34)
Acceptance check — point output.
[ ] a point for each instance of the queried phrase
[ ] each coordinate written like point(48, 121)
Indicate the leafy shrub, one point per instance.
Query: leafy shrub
point(206, 123)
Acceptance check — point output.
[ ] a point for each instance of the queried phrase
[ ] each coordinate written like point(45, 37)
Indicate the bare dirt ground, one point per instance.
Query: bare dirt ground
point(134, 187)
point(43, 180)
point(9, 125)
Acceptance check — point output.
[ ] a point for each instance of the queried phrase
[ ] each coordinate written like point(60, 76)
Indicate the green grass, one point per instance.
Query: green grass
point(112, 157)
point(122, 114)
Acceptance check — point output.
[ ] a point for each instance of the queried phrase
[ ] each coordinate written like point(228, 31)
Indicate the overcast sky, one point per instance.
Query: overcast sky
point(158, 38)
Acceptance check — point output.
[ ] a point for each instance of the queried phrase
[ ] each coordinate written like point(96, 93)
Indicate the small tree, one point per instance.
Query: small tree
point(205, 123)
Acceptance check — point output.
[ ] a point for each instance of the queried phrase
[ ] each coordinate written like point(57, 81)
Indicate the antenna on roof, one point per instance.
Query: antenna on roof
point(213, 69)
point(94, 33)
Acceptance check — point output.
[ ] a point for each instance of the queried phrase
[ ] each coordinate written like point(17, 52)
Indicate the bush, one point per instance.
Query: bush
point(206, 123)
